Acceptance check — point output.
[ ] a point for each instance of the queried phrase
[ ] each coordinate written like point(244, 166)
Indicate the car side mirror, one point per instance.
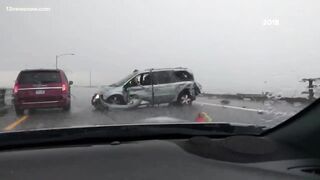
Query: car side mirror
point(70, 82)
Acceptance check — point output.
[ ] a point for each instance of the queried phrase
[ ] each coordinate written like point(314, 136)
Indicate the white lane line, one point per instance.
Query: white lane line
point(231, 107)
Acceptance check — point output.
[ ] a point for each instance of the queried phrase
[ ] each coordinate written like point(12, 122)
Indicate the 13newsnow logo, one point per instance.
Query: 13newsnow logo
point(27, 9)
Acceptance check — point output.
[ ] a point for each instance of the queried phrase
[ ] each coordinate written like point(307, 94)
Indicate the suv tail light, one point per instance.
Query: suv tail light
point(15, 88)
point(64, 87)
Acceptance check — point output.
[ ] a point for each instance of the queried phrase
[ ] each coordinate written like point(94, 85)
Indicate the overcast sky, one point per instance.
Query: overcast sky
point(224, 42)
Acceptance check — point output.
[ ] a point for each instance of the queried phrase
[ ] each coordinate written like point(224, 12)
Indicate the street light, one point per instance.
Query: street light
point(57, 56)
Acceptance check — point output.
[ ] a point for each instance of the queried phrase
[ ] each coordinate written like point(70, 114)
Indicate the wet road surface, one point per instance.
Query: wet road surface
point(83, 114)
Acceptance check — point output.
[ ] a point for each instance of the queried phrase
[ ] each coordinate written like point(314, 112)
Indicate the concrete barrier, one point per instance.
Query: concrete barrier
point(2, 97)
point(5, 96)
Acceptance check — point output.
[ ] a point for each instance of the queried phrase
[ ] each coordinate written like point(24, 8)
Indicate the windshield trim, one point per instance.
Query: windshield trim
point(136, 124)
point(300, 114)
point(109, 133)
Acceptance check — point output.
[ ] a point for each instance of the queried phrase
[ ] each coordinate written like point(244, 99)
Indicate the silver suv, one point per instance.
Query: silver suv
point(150, 86)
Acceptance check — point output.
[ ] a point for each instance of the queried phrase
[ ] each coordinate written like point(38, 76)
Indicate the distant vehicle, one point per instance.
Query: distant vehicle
point(41, 88)
point(153, 86)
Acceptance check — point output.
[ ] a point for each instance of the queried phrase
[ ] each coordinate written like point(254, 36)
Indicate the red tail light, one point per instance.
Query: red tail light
point(64, 87)
point(15, 88)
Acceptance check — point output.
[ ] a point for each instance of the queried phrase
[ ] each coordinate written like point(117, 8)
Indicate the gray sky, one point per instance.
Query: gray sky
point(224, 42)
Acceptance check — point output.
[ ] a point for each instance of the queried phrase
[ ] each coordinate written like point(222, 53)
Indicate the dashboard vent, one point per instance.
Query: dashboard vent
point(312, 170)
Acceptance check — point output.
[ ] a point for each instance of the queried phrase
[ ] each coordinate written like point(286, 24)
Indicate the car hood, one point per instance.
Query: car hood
point(173, 120)
point(105, 88)
point(162, 119)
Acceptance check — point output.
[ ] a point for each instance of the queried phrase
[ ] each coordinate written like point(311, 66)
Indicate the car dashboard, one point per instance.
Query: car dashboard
point(235, 157)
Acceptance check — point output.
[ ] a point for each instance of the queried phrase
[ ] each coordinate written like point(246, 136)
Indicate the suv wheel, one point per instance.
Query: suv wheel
point(184, 99)
point(116, 99)
point(67, 107)
point(19, 112)
point(97, 103)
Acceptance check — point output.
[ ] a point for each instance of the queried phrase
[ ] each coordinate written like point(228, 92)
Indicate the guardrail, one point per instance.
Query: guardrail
point(256, 97)
point(4, 94)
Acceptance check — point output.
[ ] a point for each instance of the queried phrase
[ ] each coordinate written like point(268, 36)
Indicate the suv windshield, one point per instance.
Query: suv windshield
point(124, 80)
point(64, 63)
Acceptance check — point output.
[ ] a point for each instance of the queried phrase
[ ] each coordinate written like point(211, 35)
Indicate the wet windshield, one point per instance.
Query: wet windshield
point(239, 62)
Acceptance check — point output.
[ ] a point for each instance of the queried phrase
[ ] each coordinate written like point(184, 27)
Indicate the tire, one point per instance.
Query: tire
point(116, 99)
point(184, 99)
point(32, 111)
point(19, 111)
point(92, 100)
point(97, 104)
point(67, 107)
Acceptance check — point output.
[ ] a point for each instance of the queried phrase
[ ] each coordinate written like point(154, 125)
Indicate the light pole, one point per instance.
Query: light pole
point(311, 87)
point(57, 56)
point(90, 78)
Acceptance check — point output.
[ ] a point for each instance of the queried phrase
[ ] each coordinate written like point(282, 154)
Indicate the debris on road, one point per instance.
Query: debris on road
point(260, 112)
point(225, 101)
point(203, 117)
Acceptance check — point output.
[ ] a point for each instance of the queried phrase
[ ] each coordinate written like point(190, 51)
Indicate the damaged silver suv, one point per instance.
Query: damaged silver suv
point(149, 87)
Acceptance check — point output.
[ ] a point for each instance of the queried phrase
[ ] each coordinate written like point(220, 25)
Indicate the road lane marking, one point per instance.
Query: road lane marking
point(231, 107)
point(16, 123)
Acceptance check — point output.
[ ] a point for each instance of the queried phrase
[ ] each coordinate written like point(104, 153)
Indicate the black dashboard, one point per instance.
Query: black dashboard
point(182, 151)
point(195, 158)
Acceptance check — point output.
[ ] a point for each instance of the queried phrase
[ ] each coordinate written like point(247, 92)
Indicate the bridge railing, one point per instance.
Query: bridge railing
point(5, 96)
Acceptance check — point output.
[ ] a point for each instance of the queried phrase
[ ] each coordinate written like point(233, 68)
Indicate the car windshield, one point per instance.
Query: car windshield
point(124, 80)
point(64, 63)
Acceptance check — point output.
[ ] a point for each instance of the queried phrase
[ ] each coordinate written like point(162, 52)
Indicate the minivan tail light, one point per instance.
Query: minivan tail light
point(15, 89)
point(64, 87)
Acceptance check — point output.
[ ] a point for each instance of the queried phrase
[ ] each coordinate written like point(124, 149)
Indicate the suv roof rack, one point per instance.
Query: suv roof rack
point(157, 69)
point(40, 69)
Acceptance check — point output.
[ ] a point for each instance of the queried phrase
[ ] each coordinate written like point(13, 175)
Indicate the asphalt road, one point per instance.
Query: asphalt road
point(268, 113)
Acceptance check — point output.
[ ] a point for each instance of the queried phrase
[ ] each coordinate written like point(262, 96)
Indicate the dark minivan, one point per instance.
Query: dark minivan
point(41, 88)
